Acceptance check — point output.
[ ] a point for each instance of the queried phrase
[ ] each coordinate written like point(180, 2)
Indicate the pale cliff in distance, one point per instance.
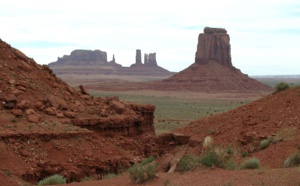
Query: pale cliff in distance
point(96, 62)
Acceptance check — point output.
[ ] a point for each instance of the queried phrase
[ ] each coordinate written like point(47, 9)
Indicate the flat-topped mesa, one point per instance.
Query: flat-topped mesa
point(214, 45)
point(85, 55)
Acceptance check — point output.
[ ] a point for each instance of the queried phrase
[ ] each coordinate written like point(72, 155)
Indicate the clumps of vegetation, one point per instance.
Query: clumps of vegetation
point(251, 163)
point(144, 171)
point(292, 161)
point(264, 143)
point(219, 157)
point(53, 180)
point(187, 162)
point(281, 86)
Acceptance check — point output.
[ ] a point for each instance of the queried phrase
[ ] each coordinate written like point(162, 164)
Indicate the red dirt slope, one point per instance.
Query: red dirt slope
point(276, 116)
point(48, 127)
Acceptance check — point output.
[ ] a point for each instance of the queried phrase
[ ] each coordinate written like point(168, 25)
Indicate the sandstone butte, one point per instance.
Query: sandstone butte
point(95, 62)
point(212, 70)
point(48, 127)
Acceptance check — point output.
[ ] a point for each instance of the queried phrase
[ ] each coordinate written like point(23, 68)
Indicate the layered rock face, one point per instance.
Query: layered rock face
point(213, 70)
point(214, 44)
point(46, 113)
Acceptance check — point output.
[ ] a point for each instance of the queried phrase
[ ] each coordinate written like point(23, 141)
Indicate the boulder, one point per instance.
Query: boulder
point(17, 112)
point(181, 139)
point(23, 104)
point(165, 138)
point(51, 111)
point(56, 102)
point(83, 90)
point(118, 107)
point(33, 118)
point(69, 114)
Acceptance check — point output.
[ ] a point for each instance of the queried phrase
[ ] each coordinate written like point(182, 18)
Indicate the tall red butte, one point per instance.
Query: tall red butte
point(213, 70)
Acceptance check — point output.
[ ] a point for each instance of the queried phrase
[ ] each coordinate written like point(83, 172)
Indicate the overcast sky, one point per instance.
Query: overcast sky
point(265, 34)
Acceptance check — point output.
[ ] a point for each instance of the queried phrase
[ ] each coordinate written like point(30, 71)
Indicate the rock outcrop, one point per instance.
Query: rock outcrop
point(214, 45)
point(213, 70)
point(151, 60)
point(48, 127)
point(138, 57)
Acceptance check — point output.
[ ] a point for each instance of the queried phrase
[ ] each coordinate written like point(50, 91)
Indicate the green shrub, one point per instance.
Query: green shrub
point(210, 158)
point(264, 143)
point(292, 161)
point(252, 163)
point(217, 157)
point(244, 154)
point(187, 162)
point(53, 180)
point(281, 86)
point(142, 172)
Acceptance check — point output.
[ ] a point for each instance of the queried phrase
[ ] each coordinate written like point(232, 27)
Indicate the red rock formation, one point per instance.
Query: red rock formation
point(214, 45)
point(213, 70)
point(39, 114)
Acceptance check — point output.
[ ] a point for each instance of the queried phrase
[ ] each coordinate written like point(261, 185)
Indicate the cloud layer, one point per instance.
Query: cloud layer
point(265, 36)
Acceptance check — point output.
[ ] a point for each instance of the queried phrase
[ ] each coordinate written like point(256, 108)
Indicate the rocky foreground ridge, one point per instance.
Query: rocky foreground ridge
point(48, 127)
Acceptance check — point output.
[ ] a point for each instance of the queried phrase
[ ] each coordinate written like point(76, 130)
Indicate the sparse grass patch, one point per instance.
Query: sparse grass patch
point(110, 176)
point(53, 180)
point(292, 161)
point(252, 163)
point(144, 171)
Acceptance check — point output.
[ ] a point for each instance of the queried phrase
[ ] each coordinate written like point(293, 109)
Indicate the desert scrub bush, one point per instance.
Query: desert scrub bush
point(144, 171)
point(281, 86)
point(217, 157)
point(187, 162)
point(251, 163)
point(53, 180)
point(292, 161)
point(264, 143)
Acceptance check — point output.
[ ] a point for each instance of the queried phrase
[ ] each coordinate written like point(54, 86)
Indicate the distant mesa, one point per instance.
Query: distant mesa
point(85, 57)
point(95, 62)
